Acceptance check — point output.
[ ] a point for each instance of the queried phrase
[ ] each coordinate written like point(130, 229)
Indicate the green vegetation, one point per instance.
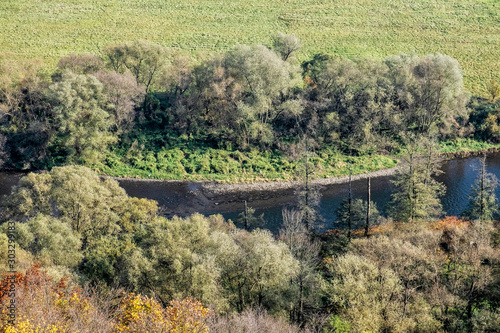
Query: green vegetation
point(466, 145)
point(239, 116)
point(439, 276)
point(233, 166)
point(467, 30)
point(417, 191)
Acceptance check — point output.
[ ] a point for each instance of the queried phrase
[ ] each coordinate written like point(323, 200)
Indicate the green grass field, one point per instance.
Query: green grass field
point(468, 30)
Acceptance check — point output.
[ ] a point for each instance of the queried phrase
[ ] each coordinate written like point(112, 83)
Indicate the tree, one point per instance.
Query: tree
point(25, 115)
point(145, 60)
point(50, 240)
point(285, 45)
point(306, 284)
point(80, 117)
point(255, 268)
point(493, 89)
point(308, 194)
point(429, 93)
point(265, 79)
point(123, 95)
point(84, 63)
point(356, 215)
point(248, 218)
point(365, 294)
point(411, 254)
point(483, 203)
point(417, 192)
point(176, 261)
point(352, 101)
point(92, 206)
point(468, 278)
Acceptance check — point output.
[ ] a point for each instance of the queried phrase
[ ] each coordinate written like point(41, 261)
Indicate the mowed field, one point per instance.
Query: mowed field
point(468, 30)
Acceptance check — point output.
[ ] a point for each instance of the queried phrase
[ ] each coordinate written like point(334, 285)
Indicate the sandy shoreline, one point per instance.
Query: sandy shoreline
point(217, 188)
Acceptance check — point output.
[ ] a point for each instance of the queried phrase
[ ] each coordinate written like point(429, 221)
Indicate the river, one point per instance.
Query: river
point(184, 198)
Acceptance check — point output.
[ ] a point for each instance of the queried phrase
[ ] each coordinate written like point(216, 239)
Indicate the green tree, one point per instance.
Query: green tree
point(146, 61)
point(483, 202)
point(80, 117)
point(357, 213)
point(248, 218)
point(493, 89)
point(285, 45)
point(255, 268)
point(177, 256)
point(92, 206)
point(50, 240)
point(365, 294)
point(417, 192)
point(265, 79)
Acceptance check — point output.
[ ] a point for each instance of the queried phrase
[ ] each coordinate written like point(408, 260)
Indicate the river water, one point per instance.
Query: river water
point(184, 198)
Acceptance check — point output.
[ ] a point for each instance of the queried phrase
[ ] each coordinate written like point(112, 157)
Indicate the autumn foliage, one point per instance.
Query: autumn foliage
point(448, 223)
point(140, 313)
point(43, 305)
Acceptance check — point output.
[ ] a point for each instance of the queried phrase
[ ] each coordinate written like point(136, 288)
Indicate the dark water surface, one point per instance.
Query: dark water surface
point(185, 198)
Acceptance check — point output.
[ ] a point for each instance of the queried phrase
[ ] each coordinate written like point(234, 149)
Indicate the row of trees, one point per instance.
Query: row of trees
point(250, 96)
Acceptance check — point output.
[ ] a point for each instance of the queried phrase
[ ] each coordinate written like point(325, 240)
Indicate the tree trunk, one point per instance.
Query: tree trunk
point(349, 222)
point(368, 199)
point(301, 301)
point(246, 216)
point(483, 171)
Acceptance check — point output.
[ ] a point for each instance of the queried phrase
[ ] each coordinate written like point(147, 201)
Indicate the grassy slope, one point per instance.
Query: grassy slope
point(468, 30)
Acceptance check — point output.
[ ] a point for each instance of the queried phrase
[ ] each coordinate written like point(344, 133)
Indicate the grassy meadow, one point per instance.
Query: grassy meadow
point(468, 30)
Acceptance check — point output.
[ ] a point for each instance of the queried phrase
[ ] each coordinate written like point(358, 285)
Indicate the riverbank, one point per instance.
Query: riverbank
point(217, 188)
point(211, 188)
point(337, 172)
point(183, 198)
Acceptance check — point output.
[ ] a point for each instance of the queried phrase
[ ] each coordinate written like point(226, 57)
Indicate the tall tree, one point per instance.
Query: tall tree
point(248, 218)
point(308, 194)
point(483, 202)
point(357, 214)
point(305, 284)
point(417, 191)
point(285, 45)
